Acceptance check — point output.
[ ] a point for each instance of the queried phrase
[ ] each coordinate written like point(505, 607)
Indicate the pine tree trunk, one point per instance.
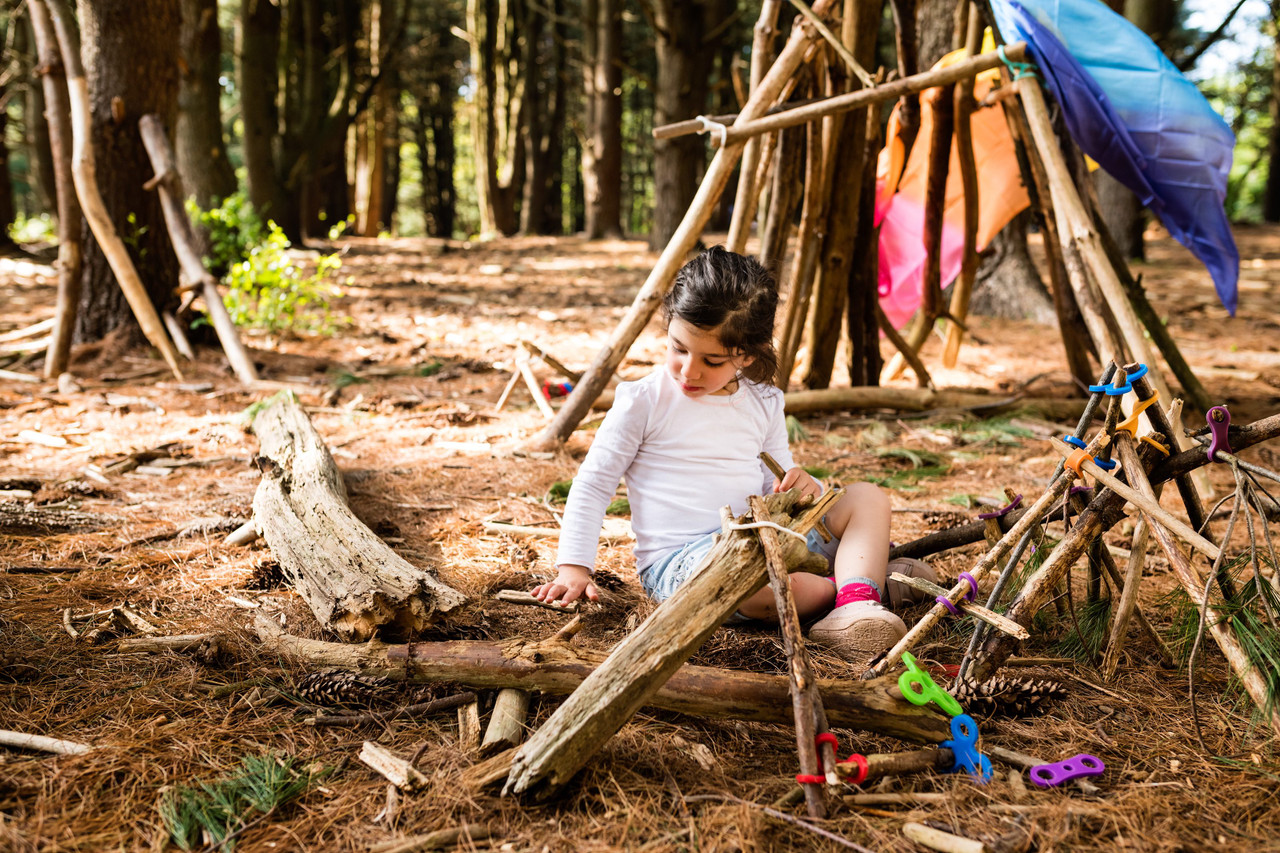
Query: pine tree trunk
point(1007, 283)
point(131, 60)
point(436, 158)
point(684, 65)
point(39, 151)
point(257, 51)
point(538, 130)
point(199, 145)
point(603, 183)
point(1124, 216)
point(1271, 194)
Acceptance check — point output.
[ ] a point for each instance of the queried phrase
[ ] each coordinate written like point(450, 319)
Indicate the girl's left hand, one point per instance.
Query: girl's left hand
point(798, 477)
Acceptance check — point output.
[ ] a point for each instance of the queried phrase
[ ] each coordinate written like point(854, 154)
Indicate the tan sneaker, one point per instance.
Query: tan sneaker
point(858, 631)
point(900, 595)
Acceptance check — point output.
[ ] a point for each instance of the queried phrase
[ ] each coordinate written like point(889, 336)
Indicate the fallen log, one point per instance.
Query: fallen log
point(925, 399)
point(352, 581)
point(25, 520)
point(558, 668)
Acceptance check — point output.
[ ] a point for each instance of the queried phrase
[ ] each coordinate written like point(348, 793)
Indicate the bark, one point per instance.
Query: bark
point(827, 311)
point(1271, 193)
point(256, 52)
point(131, 59)
point(603, 180)
point(353, 583)
point(1008, 284)
point(198, 138)
point(371, 131)
point(861, 315)
point(684, 66)
point(436, 155)
point(935, 29)
point(559, 668)
point(1125, 218)
point(924, 399)
point(544, 94)
point(496, 111)
point(7, 210)
point(39, 148)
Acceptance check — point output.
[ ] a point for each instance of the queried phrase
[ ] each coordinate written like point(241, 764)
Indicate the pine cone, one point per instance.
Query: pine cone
point(338, 687)
point(1007, 696)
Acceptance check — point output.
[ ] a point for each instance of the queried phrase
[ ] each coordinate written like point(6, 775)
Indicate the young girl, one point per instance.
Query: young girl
point(688, 438)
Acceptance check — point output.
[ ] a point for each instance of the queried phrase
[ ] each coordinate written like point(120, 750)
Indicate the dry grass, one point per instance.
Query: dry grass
point(427, 461)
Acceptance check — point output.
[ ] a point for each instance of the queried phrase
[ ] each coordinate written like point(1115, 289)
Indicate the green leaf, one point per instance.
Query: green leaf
point(559, 491)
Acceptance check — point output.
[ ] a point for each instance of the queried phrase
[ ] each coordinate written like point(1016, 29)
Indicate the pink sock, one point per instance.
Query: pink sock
point(854, 592)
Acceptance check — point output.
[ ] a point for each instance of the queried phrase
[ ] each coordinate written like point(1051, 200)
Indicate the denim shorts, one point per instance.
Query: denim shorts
point(662, 577)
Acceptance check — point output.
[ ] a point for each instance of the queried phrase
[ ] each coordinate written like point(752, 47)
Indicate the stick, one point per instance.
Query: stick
point(1132, 577)
point(527, 373)
point(507, 722)
point(744, 128)
point(95, 211)
point(803, 694)
point(761, 42)
point(776, 470)
point(977, 611)
point(42, 743)
point(448, 703)
point(438, 840)
point(695, 219)
point(518, 596)
point(936, 839)
point(551, 361)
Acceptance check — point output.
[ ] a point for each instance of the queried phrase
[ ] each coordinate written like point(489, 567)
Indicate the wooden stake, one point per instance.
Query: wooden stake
point(969, 180)
point(183, 239)
point(85, 179)
point(766, 28)
point(804, 696)
point(812, 223)
point(1132, 577)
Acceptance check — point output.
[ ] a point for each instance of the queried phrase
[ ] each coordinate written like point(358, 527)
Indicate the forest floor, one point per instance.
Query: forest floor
point(405, 399)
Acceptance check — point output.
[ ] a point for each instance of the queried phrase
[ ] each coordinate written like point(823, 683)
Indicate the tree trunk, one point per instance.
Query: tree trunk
point(39, 150)
point(684, 66)
point(1271, 195)
point(7, 211)
point(256, 55)
point(131, 59)
point(436, 158)
point(831, 290)
point(935, 29)
point(865, 361)
point(371, 131)
point(1008, 284)
point(543, 97)
point(198, 140)
point(602, 177)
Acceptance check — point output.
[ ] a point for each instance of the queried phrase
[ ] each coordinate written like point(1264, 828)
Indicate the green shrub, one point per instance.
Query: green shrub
point(266, 288)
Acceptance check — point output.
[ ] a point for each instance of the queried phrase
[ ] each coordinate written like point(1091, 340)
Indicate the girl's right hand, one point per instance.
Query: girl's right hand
point(571, 583)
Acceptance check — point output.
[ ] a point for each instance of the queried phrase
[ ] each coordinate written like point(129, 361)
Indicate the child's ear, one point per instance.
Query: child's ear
point(746, 361)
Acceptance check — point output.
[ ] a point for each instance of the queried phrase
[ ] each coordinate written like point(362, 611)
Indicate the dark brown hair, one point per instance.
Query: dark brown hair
point(735, 296)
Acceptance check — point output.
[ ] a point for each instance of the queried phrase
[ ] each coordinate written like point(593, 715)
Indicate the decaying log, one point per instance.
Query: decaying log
point(23, 520)
point(638, 667)
point(352, 581)
point(558, 668)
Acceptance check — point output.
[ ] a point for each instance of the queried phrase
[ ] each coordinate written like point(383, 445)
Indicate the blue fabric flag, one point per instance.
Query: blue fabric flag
point(1130, 109)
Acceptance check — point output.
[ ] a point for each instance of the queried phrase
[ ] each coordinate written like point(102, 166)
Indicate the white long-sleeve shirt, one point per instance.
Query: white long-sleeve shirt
point(683, 459)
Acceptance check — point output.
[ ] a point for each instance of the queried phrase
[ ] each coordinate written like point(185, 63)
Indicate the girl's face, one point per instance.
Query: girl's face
point(699, 362)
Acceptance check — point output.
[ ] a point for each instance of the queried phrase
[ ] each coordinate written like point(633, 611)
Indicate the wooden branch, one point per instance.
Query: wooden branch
point(551, 361)
point(1219, 624)
point(936, 839)
point(517, 596)
point(744, 128)
point(924, 399)
point(415, 711)
point(441, 839)
point(70, 246)
point(923, 379)
point(977, 611)
point(183, 238)
point(804, 698)
point(352, 581)
point(42, 743)
point(558, 668)
point(682, 242)
point(765, 29)
point(83, 172)
point(964, 105)
point(172, 643)
point(809, 239)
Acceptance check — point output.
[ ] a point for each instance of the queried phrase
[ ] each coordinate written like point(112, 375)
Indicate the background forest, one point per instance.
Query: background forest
point(458, 118)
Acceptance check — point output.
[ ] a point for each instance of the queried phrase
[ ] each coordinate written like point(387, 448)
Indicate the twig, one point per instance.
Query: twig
point(516, 596)
point(419, 709)
point(42, 743)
